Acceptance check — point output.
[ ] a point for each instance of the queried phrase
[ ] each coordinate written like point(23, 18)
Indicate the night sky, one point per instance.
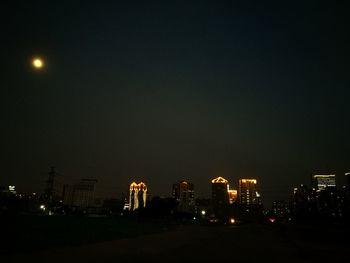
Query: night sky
point(161, 91)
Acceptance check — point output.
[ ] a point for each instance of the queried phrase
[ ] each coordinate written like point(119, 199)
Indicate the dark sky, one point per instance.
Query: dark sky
point(166, 90)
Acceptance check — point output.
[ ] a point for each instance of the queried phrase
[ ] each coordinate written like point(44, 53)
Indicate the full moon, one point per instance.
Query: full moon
point(37, 63)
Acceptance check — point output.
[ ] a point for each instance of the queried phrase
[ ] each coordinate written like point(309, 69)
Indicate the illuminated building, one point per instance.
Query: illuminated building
point(183, 193)
point(232, 194)
point(80, 195)
point(137, 196)
point(248, 193)
point(220, 197)
point(321, 181)
point(12, 189)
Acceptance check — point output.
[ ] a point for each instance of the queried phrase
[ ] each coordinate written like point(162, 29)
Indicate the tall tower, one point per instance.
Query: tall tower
point(137, 195)
point(183, 193)
point(220, 197)
point(49, 190)
point(248, 193)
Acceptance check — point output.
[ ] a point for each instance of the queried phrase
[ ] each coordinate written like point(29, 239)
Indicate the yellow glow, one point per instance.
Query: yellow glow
point(38, 63)
point(248, 181)
point(219, 180)
point(324, 175)
point(232, 220)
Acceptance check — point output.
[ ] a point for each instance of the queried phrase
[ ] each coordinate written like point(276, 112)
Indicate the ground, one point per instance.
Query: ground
point(202, 243)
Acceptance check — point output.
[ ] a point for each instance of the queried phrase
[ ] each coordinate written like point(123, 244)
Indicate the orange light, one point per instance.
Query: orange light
point(219, 180)
point(248, 181)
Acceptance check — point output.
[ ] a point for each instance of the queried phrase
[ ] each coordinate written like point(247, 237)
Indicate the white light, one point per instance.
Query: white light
point(232, 220)
point(42, 207)
point(203, 212)
point(194, 218)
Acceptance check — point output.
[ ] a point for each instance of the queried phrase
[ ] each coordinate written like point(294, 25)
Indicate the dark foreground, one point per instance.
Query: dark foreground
point(199, 243)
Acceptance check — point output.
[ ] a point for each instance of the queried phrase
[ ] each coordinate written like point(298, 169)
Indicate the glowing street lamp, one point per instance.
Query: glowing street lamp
point(38, 63)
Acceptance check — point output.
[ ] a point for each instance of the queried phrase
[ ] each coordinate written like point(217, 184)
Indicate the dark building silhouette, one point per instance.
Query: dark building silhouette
point(347, 178)
point(80, 195)
point(183, 193)
point(220, 197)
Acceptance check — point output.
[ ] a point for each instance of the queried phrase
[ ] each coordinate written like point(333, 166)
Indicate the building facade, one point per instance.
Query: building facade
point(137, 196)
point(80, 195)
point(248, 194)
point(321, 181)
point(183, 193)
point(220, 196)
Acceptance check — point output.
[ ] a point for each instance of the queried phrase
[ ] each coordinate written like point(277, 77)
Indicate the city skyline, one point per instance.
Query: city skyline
point(59, 189)
point(159, 92)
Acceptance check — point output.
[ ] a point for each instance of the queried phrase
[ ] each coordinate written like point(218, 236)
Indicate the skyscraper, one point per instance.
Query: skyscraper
point(183, 193)
point(321, 181)
point(248, 193)
point(137, 196)
point(220, 196)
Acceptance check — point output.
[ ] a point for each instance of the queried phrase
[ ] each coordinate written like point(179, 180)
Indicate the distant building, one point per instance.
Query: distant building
point(321, 181)
point(304, 202)
point(137, 196)
point(80, 195)
point(220, 197)
point(347, 178)
point(12, 189)
point(233, 195)
point(280, 208)
point(248, 194)
point(183, 193)
point(8, 190)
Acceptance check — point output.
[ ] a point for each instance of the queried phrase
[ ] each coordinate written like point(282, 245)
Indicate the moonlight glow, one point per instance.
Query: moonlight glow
point(38, 63)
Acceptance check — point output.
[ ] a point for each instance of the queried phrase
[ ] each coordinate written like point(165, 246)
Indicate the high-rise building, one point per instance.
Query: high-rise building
point(80, 195)
point(347, 178)
point(137, 196)
point(220, 196)
point(248, 193)
point(321, 181)
point(183, 193)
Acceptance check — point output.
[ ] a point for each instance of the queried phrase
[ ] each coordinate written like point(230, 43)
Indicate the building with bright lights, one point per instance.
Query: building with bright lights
point(137, 196)
point(183, 193)
point(247, 192)
point(321, 181)
point(80, 195)
point(233, 195)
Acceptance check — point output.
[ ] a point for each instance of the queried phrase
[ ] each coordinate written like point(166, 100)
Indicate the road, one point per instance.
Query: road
point(193, 243)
